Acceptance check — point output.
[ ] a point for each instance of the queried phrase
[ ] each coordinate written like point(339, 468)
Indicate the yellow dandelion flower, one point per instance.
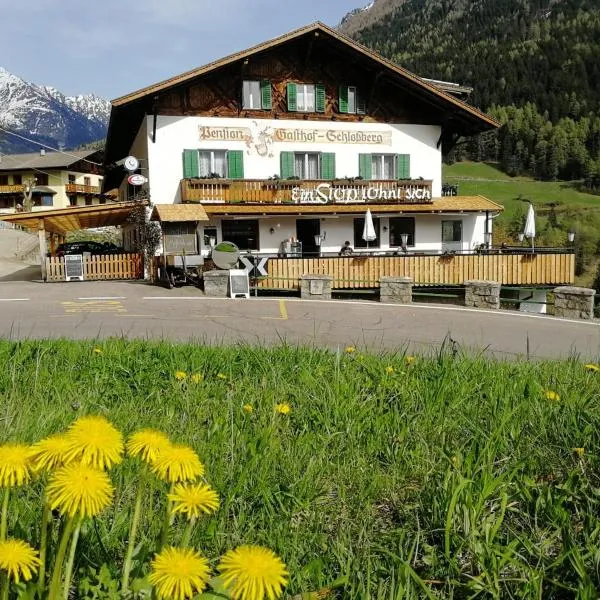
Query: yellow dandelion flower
point(283, 408)
point(253, 572)
point(221, 376)
point(98, 351)
point(389, 370)
point(179, 573)
point(79, 489)
point(193, 499)
point(15, 465)
point(410, 360)
point(178, 463)
point(350, 350)
point(248, 408)
point(551, 395)
point(180, 375)
point(197, 377)
point(18, 559)
point(147, 444)
point(49, 453)
point(94, 441)
point(579, 452)
point(591, 367)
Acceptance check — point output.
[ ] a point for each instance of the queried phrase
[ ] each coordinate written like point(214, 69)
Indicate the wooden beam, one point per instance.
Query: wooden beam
point(43, 251)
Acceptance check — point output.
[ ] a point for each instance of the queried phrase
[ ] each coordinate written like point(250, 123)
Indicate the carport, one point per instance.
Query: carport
point(54, 224)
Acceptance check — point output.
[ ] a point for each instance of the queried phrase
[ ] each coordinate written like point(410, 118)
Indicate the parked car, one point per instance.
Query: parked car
point(110, 248)
point(79, 248)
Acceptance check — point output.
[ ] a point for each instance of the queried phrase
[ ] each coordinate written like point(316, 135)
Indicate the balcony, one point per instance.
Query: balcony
point(76, 188)
point(11, 189)
point(295, 191)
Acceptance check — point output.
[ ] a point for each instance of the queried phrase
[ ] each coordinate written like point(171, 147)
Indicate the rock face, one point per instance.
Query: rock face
point(44, 114)
point(373, 12)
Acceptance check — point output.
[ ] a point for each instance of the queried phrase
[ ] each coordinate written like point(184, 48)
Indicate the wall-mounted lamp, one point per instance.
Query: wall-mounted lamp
point(385, 227)
point(571, 236)
point(272, 230)
point(521, 236)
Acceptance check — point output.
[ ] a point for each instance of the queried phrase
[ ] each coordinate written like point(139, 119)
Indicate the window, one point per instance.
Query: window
point(3, 179)
point(383, 166)
point(42, 178)
point(400, 225)
point(73, 200)
point(212, 162)
point(243, 233)
point(87, 181)
point(306, 165)
point(47, 200)
point(359, 225)
point(17, 179)
point(306, 97)
point(350, 100)
point(256, 95)
point(210, 234)
point(305, 101)
point(88, 201)
point(451, 231)
point(71, 178)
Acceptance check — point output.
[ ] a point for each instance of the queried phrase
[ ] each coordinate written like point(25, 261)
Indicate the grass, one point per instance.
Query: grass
point(486, 180)
point(449, 477)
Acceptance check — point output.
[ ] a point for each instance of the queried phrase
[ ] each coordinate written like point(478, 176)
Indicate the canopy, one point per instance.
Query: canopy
point(529, 230)
point(369, 229)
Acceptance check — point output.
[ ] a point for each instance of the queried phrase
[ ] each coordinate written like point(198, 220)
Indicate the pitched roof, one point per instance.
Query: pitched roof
point(316, 27)
point(447, 204)
point(177, 213)
point(49, 160)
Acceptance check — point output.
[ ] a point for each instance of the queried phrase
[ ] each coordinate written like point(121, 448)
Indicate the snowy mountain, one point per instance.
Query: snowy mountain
point(48, 116)
point(372, 13)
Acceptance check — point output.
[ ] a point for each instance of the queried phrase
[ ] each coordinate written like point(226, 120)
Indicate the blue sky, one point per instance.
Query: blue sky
point(112, 47)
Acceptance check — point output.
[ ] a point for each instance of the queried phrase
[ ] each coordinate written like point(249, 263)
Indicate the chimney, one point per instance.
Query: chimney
point(42, 152)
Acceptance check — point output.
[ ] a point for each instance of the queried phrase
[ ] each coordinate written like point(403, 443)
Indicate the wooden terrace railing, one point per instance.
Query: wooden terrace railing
point(365, 271)
point(109, 266)
point(11, 189)
point(269, 191)
point(76, 188)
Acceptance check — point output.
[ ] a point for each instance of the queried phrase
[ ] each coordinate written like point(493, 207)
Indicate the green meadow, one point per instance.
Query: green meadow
point(444, 477)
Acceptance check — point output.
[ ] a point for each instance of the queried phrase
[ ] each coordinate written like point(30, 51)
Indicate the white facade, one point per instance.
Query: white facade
point(262, 142)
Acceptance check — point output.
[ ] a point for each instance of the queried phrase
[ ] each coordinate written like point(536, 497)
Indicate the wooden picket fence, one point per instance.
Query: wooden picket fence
point(101, 267)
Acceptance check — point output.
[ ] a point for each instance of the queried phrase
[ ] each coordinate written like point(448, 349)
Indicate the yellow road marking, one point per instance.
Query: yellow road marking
point(283, 314)
point(94, 306)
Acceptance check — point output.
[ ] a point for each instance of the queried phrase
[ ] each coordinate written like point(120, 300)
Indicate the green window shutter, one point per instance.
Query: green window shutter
point(343, 98)
point(365, 166)
point(403, 166)
point(235, 164)
point(328, 165)
point(190, 164)
point(361, 105)
point(287, 165)
point(292, 96)
point(320, 97)
point(265, 94)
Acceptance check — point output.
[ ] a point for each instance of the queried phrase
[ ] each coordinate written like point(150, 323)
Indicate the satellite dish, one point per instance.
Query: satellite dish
point(225, 255)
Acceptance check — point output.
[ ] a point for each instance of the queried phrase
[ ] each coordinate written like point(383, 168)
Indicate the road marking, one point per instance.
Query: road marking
point(94, 306)
point(14, 299)
point(283, 315)
point(104, 298)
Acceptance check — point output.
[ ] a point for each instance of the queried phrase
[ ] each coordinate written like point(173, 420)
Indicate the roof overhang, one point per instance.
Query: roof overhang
point(446, 205)
point(179, 213)
point(63, 220)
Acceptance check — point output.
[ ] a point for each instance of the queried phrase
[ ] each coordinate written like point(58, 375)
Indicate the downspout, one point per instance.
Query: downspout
point(155, 118)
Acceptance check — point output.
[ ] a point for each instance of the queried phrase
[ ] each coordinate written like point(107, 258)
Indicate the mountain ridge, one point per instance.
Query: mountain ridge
point(46, 115)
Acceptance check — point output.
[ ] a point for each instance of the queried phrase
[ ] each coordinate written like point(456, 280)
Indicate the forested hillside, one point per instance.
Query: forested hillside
point(534, 64)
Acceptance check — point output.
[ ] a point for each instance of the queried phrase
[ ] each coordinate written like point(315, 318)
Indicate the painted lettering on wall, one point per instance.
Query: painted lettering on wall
point(326, 193)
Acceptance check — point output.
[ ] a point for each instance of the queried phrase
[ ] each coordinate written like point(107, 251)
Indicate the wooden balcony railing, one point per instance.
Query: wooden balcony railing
point(11, 189)
point(76, 188)
point(295, 191)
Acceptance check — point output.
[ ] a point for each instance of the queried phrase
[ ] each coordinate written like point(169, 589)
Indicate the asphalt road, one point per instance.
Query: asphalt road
point(89, 310)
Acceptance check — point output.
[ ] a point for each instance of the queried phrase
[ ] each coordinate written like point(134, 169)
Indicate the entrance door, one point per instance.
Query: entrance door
point(306, 229)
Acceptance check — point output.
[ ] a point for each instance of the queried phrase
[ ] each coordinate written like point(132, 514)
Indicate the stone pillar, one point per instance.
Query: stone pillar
point(396, 290)
point(574, 302)
point(316, 287)
point(482, 294)
point(216, 283)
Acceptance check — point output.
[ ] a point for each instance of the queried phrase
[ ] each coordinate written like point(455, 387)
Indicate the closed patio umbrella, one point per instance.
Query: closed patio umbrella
point(529, 230)
point(369, 234)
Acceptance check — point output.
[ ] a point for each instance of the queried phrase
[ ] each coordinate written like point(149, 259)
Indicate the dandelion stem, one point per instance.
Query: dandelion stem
point(5, 586)
point(71, 561)
point(60, 557)
point(187, 534)
point(4, 521)
point(133, 532)
point(46, 525)
point(164, 536)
